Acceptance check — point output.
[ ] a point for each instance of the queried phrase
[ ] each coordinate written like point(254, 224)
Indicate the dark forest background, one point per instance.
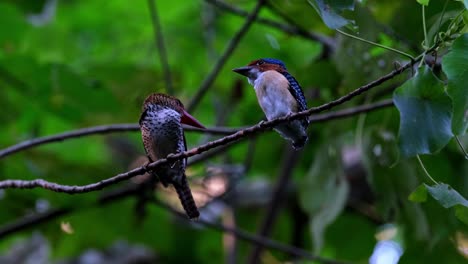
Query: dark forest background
point(383, 176)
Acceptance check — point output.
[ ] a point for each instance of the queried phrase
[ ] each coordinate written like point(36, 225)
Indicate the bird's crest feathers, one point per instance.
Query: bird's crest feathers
point(164, 100)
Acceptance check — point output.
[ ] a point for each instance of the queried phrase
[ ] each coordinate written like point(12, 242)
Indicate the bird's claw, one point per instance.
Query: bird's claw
point(145, 166)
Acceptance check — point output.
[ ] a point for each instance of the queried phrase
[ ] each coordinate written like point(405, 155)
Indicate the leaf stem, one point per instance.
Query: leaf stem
point(461, 147)
point(377, 44)
point(426, 41)
point(424, 169)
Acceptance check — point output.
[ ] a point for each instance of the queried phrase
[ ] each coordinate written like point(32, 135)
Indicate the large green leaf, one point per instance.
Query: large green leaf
point(425, 114)
point(446, 196)
point(455, 65)
point(330, 11)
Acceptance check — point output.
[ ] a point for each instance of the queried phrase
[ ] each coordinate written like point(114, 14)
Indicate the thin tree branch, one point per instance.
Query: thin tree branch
point(328, 42)
point(289, 162)
point(22, 184)
point(210, 153)
point(104, 129)
point(352, 111)
point(159, 41)
point(222, 60)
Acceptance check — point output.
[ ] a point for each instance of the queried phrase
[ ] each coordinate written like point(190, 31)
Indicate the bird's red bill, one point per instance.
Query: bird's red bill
point(190, 120)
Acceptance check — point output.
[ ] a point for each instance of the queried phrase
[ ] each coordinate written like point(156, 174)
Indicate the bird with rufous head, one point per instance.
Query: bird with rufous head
point(279, 94)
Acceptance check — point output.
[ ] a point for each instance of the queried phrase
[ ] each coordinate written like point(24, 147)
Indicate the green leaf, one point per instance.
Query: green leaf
point(425, 114)
point(461, 212)
point(330, 11)
point(455, 65)
point(423, 2)
point(446, 196)
point(419, 195)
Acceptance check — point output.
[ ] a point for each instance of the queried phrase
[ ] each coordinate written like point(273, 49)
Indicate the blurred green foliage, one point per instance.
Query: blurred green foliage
point(92, 62)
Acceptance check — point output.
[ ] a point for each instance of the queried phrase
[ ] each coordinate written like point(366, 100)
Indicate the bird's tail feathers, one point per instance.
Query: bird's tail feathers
point(186, 199)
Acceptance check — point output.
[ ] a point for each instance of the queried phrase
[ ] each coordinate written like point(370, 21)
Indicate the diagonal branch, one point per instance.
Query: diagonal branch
point(104, 129)
point(195, 151)
point(21, 184)
point(159, 41)
point(227, 53)
point(328, 42)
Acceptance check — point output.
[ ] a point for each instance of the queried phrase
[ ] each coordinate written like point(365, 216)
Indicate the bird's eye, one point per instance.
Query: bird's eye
point(260, 62)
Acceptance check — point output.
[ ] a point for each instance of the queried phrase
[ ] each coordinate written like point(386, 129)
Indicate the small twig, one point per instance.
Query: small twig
point(289, 162)
point(210, 153)
point(159, 41)
point(222, 60)
point(328, 42)
point(376, 44)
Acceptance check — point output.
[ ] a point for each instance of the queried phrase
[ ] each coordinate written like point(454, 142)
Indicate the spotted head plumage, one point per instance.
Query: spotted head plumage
point(164, 100)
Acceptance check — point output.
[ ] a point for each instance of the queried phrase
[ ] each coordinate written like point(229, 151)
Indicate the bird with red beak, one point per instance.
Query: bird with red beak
point(162, 133)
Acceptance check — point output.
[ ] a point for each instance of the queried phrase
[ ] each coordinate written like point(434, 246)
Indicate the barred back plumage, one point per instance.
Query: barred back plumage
point(297, 93)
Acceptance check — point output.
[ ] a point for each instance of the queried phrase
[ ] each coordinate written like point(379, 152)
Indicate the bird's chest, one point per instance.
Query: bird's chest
point(273, 95)
point(162, 133)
